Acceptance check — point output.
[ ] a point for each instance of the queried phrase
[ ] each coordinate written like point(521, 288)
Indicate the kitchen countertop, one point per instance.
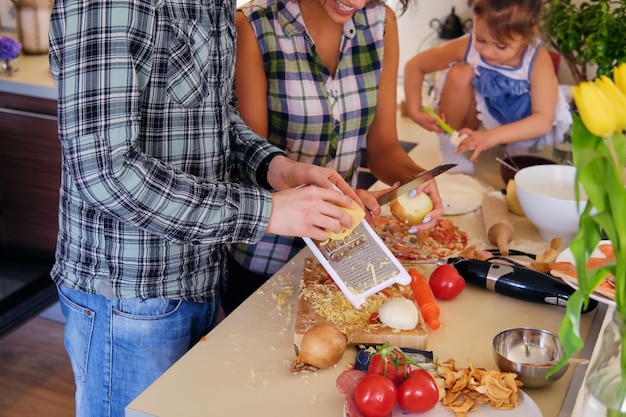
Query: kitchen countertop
point(241, 368)
point(33, 77)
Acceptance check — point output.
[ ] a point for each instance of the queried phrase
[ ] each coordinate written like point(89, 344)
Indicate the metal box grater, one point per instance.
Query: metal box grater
point(360, 264)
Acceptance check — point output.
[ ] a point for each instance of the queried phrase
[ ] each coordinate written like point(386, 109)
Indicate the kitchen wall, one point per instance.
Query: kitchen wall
point(414, 26)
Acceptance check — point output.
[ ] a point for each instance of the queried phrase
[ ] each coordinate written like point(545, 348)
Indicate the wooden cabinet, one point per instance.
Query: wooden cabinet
point(30, 173)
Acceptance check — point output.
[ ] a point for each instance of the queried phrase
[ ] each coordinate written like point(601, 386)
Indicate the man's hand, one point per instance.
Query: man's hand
point(284, 173)
point(309, 211)
point(307, 201)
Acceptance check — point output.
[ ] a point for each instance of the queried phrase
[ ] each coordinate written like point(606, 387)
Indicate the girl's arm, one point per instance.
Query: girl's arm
point(387, 160)
point(544, 90)
point(429, 61)
point(250, 79)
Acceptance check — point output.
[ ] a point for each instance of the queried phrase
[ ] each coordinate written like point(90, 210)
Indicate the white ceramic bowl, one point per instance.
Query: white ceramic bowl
point(546, 194)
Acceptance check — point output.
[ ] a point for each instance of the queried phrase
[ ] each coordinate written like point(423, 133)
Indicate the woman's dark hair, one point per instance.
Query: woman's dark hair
point(507, 18)
point(405, 5)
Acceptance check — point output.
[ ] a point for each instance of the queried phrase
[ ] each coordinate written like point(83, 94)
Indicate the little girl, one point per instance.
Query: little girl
point(499, 75)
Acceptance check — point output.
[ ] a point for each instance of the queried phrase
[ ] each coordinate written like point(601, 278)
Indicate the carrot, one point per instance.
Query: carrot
point(425, 299)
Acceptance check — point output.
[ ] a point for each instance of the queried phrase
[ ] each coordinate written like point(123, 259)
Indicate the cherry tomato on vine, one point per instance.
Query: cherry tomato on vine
point(418, 393)
point(446, 282)
point(389, 366)
point(375, 396)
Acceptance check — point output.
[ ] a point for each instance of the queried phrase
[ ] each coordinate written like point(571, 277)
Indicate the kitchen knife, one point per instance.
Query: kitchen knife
point(455, 138)
point(415, 182)
point(516, 281)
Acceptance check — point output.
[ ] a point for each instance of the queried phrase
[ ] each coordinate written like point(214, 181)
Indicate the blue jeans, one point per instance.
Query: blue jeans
point(117, 348)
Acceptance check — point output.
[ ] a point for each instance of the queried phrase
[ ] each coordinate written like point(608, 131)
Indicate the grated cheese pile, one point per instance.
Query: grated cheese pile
point(330, 303)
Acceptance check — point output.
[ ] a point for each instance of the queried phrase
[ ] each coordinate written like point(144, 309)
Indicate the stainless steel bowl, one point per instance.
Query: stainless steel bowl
point(530, 353)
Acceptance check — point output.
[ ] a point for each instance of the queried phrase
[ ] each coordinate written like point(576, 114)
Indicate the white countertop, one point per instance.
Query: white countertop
point(241, 368)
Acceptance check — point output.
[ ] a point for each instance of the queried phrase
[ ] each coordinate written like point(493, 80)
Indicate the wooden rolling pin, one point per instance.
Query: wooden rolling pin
point(498, 226)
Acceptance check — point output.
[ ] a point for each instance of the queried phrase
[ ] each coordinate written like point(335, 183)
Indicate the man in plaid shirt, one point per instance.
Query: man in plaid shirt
point(159, 173)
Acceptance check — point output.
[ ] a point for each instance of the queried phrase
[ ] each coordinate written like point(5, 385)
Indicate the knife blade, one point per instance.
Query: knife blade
point(417, 181)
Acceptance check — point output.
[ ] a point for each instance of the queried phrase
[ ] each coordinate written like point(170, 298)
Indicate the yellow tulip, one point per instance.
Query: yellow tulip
point(616, 97)
point(619, 75)
point(595, 108)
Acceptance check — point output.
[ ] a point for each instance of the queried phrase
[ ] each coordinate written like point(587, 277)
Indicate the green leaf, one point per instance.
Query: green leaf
point(569, 333)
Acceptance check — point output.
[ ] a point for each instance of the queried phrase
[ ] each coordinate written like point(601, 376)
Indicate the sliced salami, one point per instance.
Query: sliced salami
point(346, 384)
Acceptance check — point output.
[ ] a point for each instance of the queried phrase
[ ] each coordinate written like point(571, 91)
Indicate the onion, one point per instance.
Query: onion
point(411, 210)
point(322, 347)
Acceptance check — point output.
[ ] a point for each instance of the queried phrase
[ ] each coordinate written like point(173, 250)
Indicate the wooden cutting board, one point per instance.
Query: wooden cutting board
point(315, 283)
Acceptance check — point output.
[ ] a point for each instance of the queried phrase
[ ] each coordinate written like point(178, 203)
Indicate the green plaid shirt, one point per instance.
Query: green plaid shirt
point(316, 117)
point(150, 143)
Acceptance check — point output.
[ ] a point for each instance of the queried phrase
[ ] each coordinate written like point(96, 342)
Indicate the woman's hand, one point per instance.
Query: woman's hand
point(430, 188)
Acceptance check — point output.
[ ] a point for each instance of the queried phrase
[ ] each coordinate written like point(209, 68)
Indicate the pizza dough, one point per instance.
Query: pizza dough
point(459, 193)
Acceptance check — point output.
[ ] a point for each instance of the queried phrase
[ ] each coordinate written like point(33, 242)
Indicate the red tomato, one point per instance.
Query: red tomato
point(418, 393)
point(446, 282)
point(380, 366)
point(393, 366)
point(375, 396)
point(374, 319)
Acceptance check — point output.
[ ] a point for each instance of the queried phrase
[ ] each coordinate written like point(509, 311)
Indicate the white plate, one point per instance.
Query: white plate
point(460, 193)
point(568, 256)
point(525, 408)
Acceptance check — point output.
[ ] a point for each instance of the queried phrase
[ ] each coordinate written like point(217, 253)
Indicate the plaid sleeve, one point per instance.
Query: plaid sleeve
point(134, 148)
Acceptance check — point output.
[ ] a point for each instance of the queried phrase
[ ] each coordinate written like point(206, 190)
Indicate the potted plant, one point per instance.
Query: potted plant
point(588, 34)
point(599, 150)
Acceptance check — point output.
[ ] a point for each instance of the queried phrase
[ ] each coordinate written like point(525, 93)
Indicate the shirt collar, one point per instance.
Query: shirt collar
point(290, 18)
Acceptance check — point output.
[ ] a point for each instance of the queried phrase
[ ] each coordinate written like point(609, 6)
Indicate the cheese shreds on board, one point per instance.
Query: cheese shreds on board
point(330, 303)
point(326, 300)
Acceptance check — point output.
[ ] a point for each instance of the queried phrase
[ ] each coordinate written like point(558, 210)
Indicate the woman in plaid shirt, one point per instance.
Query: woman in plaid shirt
point(310, 77)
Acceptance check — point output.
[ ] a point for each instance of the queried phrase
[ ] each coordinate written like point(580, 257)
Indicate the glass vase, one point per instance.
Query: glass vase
point(604, 378)
point(8, 67)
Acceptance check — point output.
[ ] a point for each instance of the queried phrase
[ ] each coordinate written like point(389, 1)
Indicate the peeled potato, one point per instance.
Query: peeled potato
point(511, 199)
point(411, 210)
point(357, 215)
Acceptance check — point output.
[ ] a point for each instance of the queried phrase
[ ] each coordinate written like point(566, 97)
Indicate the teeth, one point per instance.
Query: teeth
point(343, 7)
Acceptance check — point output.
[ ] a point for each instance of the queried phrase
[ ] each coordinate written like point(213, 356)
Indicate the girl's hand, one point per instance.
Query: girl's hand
point(476, 140)
point(428, 122)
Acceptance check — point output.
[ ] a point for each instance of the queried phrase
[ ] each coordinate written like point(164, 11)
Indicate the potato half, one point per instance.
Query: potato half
point(357, 215)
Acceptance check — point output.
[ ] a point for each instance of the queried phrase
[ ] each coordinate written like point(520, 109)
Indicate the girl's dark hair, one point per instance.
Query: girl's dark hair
point(507, 18)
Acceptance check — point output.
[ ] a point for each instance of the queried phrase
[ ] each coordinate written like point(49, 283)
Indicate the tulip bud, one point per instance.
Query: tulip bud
point(619, 75)
point(595, 109)
point(616, 97)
